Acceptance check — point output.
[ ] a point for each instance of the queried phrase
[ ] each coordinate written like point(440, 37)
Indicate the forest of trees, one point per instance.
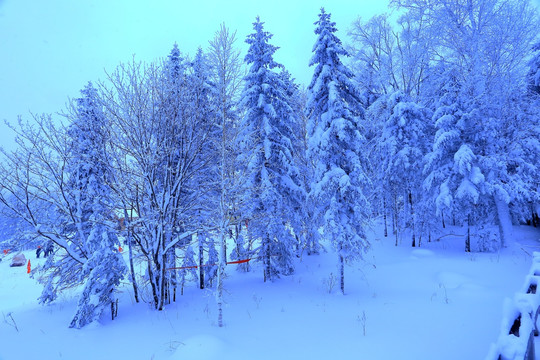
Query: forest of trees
point(428, 117)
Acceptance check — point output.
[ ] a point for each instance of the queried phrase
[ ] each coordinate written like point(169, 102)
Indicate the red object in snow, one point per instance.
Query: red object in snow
point(195, 266)
point(6, 251)
point(239, 261)
point(28, 267)
point(120, 249)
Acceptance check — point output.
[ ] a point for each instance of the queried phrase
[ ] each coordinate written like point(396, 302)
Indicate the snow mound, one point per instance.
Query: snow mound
point(200, 347)
point(452, 280)
point(421, 253)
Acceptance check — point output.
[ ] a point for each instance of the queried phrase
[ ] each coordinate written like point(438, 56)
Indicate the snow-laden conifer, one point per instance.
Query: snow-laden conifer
point(336, 147)
point(453, 175)
point(267, 152)
point(89, 173)
point(404, 141)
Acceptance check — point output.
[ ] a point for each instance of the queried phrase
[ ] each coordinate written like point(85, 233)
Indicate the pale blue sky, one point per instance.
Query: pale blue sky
point(50, 49)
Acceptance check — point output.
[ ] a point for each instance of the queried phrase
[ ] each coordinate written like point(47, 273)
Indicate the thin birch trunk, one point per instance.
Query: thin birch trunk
point(127, 224)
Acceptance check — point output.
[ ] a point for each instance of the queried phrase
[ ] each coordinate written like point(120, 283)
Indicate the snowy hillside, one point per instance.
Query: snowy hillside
point(425, 303)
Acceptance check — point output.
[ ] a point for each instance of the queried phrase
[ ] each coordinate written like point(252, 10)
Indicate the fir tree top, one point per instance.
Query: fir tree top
point(327, 48)
point(261, 52)
point(174, 61)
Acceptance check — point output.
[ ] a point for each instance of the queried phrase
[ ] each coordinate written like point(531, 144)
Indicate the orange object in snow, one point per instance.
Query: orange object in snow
point(28, 267)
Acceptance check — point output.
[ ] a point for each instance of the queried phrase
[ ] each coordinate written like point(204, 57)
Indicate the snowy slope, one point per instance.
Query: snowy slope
point(433, 302)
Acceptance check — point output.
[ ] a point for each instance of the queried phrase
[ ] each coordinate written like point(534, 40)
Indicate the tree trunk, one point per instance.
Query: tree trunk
point(266, 255)
point(395, 220)
point(220, 274)
point(183, 282)
point(153, 284)
point(442, 217)
point(384, 217)
point(162, 281)
point(504, 220)
point(237, 229)
point(127, 224)
point(468, 239)
point(342, 273)
point(201, 262)
point(394, 216)
point(412, 220)
point(174, 273)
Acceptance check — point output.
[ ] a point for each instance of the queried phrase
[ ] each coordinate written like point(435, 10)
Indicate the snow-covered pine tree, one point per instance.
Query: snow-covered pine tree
point(89, 174)
point(488, 43)
point(104, 269)
point(266, 149)
point(453, 176)
point(301, 219)
point(336, 147)
point(372, 125)
point(404, 142)
point(202, 105)
point(58, 200)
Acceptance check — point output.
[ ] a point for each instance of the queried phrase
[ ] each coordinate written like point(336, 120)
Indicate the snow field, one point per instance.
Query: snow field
point(432, 302)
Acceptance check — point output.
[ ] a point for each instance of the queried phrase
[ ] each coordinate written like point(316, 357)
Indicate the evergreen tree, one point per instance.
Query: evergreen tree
point(301, 219)
point(485, 44)
point(266, 147)
point(89, 175)
point(403, 143)
point(336, 147)
point(453, 175)
point(202, 106)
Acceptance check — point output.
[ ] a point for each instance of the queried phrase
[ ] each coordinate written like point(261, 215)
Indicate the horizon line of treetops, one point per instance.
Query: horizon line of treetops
point(432, 120)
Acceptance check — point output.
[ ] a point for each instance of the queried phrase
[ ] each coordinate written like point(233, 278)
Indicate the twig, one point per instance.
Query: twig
point(13, 323)
point(525, 251)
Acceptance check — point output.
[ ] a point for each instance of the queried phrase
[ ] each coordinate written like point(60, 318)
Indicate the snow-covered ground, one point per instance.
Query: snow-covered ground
point(433, 302)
